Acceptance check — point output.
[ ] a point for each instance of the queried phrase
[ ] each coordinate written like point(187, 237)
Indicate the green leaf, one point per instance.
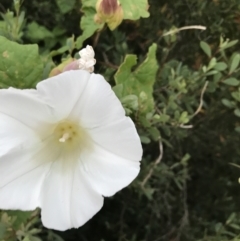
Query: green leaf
point(237, 129)
point(236, 95)
point(231, 218)
point(26, 238)
point(237, 112)
point(118, 89)
point(20, 65)
point(217, 77)
point(32, 238)
point(88, 25)
point(185, 159)
point(212, 63)
point(37, 32)
point(231, 43)
point(139, 82)
point(234, 63)
point(22, 217)
point(145, 139)
point(212, 72)
point(130, 102)
point(228, 103)
point(154, 132)
point(228, 45)
point(206, 48)
point(3, 229)
point(220, 66)
point(65, 5)
point(164, 118)
point(231, 82)
point(135, 9)
point(235, 226)
point(184, 118)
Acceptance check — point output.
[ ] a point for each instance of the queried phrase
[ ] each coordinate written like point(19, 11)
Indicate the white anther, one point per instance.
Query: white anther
point(64, 137)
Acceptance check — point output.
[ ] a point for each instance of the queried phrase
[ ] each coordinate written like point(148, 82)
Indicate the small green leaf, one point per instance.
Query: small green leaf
point(164, 118)
point(65, 5)
point(130, 102)
point(37, 32)
point(235, 226)
point(145, 139)
point(217, 77)
point(212, 63)
point(231, 218)
point(144, 121)
point(231, 82)
point(234, 63)
point(237, 112)
point(26, 238)
point(185, 158)
point(228, 45)
point(154, 132)
point(184, 118)
point(166, 130)
point(206, 48)
point(237, 129)
point(32, 238)
point(220, 66)
point(228, 103)
point(212, 72)
point(236, 95)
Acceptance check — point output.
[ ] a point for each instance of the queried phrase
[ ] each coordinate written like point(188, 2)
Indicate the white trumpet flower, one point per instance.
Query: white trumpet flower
point(63, 147)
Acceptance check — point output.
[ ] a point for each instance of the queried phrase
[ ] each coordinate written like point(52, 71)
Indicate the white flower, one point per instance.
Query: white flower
point(87, 61)
point(63, 147)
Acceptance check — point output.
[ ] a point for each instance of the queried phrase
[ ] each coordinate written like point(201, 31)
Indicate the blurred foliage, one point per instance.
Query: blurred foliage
point(183, 94)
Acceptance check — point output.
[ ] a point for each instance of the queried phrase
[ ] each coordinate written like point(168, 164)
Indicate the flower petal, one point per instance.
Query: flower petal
point(98, 104)
point(63, 91)
point(67, 199)
point(107, 173)
point(22, 174)
point(14, 134)
point(25, 107)
point(120, 138)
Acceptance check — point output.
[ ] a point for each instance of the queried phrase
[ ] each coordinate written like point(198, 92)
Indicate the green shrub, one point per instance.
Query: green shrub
point(183, 92)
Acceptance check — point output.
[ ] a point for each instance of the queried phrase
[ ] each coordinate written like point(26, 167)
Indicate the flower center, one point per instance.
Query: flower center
point(66, 132)
point(70, 135)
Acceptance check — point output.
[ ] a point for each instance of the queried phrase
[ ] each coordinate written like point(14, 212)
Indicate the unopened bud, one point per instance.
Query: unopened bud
point(72, 66)
point(110, 12)
point(61, 68)
point(86, 62)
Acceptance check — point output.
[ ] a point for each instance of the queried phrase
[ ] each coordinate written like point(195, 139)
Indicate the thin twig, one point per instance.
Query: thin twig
point(201, 99)
point(185, 28)
point(122, 236)
point(157, 161)
point(96, 38)
point(108, 63)
point(2, 7)
point(184, 220)
point(186, 126)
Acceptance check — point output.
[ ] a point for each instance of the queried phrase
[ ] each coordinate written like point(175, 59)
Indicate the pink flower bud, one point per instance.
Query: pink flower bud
point(110, 12)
